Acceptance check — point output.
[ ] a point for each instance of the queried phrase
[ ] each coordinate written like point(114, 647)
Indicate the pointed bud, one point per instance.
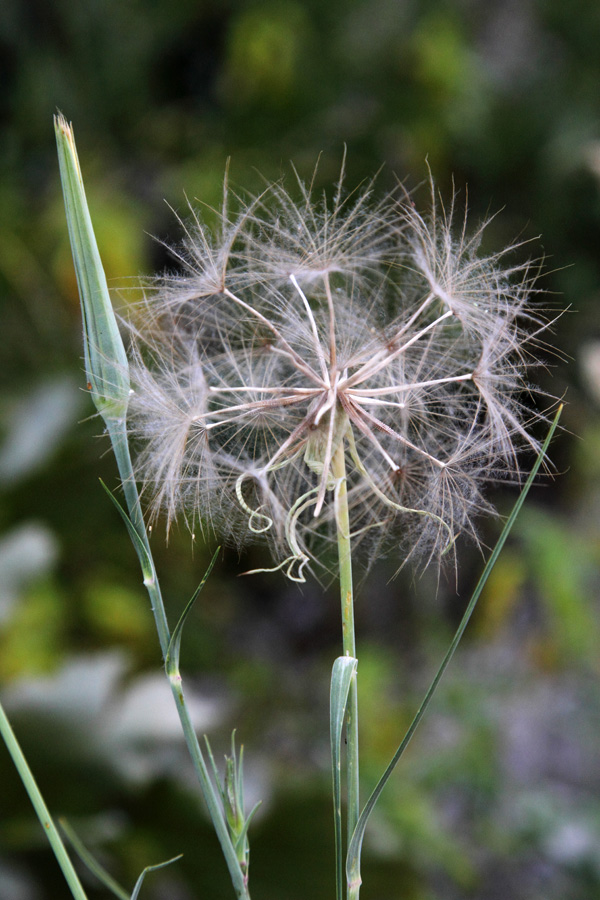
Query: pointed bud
point(106, 365)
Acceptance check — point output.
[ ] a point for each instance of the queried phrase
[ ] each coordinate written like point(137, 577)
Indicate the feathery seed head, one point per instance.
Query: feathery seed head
point(306, 329)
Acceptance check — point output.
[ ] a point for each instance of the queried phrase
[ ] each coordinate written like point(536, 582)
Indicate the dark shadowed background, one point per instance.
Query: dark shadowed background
point(498, 795)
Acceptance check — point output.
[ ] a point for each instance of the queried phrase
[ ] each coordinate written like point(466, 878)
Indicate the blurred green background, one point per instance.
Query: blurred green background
point(499, 794)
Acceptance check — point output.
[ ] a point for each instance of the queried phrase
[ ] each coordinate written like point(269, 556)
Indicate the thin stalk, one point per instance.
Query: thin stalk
point(107, 372)
point(40, 807)
point(238, 878)
point(118, 435)
point(117, 430)
point(338, 470)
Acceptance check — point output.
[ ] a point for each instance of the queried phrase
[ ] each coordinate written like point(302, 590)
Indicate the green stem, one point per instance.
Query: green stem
point(338, 470)
point(107, 371)
point(40, 807)
point(117, 429)
point(118, 434)
point(238, 878)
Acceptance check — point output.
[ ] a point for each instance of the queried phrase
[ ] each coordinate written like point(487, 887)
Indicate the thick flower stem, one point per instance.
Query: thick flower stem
point(338, 470)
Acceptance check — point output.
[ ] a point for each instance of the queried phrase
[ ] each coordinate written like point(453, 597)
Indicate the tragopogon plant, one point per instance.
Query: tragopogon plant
point(309, 344)
point(343, 371)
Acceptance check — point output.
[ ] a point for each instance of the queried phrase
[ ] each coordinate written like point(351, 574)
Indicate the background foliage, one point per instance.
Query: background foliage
point(499, 795)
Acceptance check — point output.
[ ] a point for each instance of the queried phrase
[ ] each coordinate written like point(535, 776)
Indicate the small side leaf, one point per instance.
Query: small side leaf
point(354, 850)
point(231, 790)
point(92, 864)
point(215, 769)
point(140, 881)
point(344, 670)
point(172, 657)
point(136, 538)
point(243, 836)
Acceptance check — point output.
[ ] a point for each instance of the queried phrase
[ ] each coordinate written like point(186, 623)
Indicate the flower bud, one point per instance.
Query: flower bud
point(106, 365)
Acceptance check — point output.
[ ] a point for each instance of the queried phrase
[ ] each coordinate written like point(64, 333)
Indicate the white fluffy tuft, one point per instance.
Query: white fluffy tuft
point(301, 326)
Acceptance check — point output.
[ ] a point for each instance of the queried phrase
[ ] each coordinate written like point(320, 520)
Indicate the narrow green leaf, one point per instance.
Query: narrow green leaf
point(355, 847)
point(172, 657)
point(244, 832)
point(117, 430)
point(215, 770)
point(106, 363)
point(136, 538)
point(43, 813)
point(344, 670)
point(239, 769)
point(92, 864)
point(140, 881)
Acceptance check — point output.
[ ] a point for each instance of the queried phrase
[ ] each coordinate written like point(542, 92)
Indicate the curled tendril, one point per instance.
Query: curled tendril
point(254, 515)
point(288, 566)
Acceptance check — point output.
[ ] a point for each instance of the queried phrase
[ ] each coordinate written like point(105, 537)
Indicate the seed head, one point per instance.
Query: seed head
point(302, 328)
